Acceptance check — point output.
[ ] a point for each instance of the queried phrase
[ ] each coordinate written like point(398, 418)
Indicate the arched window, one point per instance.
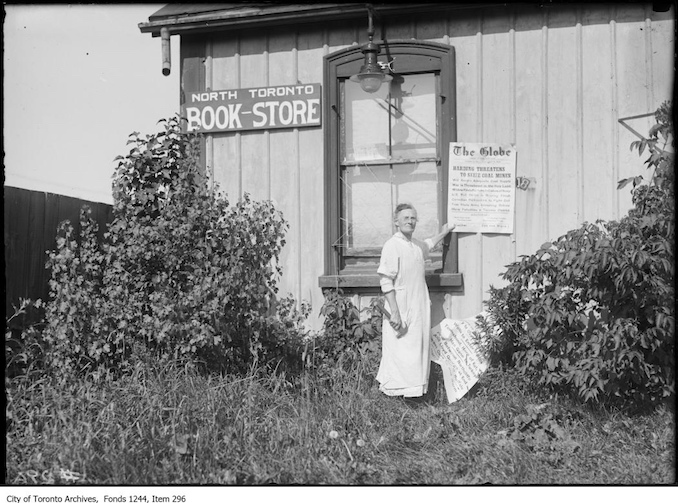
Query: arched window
point(382, 149)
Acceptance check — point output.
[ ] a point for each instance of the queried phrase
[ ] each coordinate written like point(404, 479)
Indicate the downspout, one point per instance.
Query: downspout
point(166, 55)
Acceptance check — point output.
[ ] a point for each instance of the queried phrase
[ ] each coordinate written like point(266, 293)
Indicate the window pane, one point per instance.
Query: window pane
point(371, 193)
point(366, 213)
point(364, 123)
point(420, 185)
point(413, 128)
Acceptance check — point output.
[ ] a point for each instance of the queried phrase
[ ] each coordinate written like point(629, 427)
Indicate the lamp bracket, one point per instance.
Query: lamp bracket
point(388, 66)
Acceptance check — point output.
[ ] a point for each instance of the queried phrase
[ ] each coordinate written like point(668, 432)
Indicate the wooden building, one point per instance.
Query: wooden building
point(563, 83)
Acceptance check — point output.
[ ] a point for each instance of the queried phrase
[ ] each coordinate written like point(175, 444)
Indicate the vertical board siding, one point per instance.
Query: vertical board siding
point(36, 276)
point(554, 81)
point(497, 127)
point(597, 129)
point(464, 34)
point(226, 162)
point(284, 159)
point(255, 151)
point(633, 95)
point(531, 221)
point(31, 219)
point(16, 243)
point(433, 30)
point(561, 90)
point(579, 72)
point(399, 29)
point(662, 38)
point(340, 36)
point(285, 195)
point(310, 50)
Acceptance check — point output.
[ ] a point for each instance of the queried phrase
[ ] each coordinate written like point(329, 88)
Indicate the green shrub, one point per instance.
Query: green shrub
point(182, 274)
point(282, 344)
point(75, 332)
point(592, 313)
point(23, 348)
point(505, 315)
point(346, 338)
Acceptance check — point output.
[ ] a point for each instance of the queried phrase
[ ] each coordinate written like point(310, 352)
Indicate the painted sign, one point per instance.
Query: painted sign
point(482, 187)
point(454, 348)
point(272, 107)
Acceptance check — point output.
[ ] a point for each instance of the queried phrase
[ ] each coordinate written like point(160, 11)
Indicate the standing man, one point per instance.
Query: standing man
point(405, 360)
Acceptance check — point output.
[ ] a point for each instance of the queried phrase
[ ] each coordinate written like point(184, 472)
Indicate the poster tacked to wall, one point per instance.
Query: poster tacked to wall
point(454, 348)
point(482, 187)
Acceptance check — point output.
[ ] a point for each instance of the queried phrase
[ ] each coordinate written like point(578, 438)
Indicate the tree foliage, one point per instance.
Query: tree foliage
point(182, 274)
point(347, 337)
point(592, 313)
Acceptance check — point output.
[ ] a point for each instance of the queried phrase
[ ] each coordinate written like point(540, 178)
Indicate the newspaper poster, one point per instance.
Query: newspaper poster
point(454, 349)
point(482, 187)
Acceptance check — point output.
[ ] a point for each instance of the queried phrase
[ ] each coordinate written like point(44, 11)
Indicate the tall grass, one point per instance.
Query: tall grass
point(172, 425)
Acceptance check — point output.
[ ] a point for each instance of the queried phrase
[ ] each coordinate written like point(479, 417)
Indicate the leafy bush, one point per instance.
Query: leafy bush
point(345, 338)
point(285, 335)
point(506, 314)
point(182, 274)
point(75, 330)
point(592, 313)
point(23, 348)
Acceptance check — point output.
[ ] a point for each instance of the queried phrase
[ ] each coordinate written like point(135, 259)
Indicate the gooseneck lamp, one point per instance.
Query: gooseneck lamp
point(371, 73)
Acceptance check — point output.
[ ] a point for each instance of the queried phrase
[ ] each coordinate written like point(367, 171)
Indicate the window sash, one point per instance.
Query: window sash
point(372, 174)
point(411, 56)
point(369, 194)
point(374, 128)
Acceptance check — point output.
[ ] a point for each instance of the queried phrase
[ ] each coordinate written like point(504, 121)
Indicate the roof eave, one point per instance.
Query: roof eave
point(211, 21)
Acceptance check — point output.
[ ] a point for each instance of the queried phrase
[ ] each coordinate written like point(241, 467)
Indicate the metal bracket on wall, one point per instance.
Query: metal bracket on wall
point(641, 116)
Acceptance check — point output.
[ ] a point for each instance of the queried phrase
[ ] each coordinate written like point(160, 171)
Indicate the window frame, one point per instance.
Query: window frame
point(410, 56)
point(353, 257)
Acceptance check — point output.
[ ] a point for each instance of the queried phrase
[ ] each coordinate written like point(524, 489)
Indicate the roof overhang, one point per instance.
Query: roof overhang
point(181, 19)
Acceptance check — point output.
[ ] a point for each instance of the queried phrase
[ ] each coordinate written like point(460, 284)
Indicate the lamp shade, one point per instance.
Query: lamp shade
point(370, 82)
point(370, 75)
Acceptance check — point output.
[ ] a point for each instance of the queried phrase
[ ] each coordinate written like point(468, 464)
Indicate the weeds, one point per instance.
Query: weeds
point(171, 424)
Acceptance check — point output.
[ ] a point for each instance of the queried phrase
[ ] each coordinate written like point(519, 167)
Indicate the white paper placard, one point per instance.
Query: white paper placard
point(482, 187)
point(454, 349)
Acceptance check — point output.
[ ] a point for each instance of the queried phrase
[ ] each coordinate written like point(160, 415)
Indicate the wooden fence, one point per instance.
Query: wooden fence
point(31, 220)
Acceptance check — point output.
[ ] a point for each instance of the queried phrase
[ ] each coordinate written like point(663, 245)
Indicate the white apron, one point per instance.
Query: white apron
point(405, 361)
